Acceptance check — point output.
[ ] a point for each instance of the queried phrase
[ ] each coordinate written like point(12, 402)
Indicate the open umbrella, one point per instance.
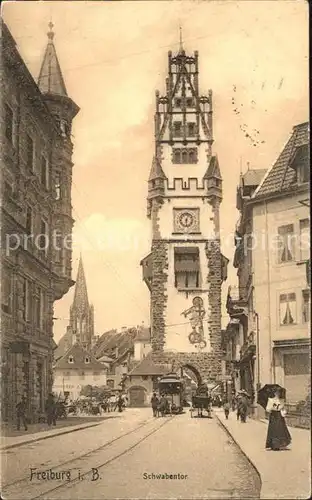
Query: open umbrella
point(244, 393)
point(268, 391)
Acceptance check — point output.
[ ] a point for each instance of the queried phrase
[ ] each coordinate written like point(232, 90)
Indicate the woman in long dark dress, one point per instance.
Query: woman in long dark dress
point(278, 435)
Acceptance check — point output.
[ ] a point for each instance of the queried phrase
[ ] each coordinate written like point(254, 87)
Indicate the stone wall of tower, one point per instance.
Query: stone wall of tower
point(158, 294)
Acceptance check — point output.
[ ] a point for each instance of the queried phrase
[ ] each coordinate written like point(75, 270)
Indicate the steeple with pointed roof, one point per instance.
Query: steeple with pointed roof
point(52, 86)
point(81, 312)
point(50, 80)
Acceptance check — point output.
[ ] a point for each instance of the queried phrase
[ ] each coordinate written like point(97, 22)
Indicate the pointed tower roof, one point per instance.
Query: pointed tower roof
point(50, 80)
point(156, 170)
point(213, 169)
point(81, 294)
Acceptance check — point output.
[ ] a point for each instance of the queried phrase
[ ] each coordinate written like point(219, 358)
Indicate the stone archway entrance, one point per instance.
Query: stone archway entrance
point(137, 396)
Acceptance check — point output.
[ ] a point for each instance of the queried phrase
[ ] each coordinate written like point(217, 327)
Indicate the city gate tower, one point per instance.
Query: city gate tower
point(185, 268)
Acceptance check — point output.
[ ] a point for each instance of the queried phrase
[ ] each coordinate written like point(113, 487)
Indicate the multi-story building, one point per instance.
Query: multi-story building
point(185, 269)
point(281, 228)
point(268, 337)
point(241, 331)
point(76, 369)
point(36, 147)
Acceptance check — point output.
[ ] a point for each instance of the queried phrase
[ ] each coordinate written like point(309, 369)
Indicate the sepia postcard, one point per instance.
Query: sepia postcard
point(155, 250)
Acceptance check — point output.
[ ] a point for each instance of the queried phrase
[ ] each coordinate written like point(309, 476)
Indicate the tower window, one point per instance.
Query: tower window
point(178, 102)
point(8, 123)
point(184, 155)
point(87, 360)
point(177, 129)
point(191, 129)
point(30, 152)
point(70, 359)
point(186, 267)
point(190, 102)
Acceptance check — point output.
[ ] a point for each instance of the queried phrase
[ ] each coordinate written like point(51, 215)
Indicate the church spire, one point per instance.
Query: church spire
point(81, 301)
point(181, 41)
point(50, 80)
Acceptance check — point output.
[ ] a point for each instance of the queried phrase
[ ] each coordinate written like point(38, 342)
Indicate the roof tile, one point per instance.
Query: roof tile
point(281, 177)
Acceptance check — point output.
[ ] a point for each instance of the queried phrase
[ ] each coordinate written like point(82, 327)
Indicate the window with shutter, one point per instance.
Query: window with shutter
point(187, 268)
point(286, 249)
point(288, 309)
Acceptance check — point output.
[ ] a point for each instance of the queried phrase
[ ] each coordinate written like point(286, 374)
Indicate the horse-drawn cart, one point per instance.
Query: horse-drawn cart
point(202, 402)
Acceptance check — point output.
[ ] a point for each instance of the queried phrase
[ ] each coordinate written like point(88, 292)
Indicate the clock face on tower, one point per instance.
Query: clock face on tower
point(186, 220)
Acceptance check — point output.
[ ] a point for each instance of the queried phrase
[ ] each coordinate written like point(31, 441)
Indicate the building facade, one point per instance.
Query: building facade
point(241, 332)
point(76, 369)
point(267, 339)
point(281, 271)
point(36, 149)
point(185, 268)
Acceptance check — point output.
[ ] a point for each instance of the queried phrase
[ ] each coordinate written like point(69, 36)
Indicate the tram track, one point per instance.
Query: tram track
point(23, 488)
point(78, 457)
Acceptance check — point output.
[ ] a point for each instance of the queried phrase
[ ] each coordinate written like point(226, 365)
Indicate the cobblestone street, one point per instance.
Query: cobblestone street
point(129, 467)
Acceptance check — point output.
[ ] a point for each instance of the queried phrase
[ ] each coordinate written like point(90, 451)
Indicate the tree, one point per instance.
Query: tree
point(94, 391)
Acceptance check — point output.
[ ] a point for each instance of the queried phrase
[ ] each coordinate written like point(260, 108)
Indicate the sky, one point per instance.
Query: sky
point(113, 55)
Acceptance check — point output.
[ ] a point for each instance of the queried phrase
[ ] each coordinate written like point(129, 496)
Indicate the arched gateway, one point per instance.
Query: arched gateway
point(185, 268)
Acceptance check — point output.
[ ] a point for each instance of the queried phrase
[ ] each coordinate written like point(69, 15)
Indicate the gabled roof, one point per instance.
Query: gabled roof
point(253, 177)
point(63, 345)
point(213, 169)
point(143, 335)
point(156, 170)
point(79, 355)
point(105, 359)
point(281, 177)
point(148, 367)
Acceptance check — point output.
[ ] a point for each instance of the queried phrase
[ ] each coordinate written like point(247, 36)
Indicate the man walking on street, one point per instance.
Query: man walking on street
point(226, 407)
point(21, 409)
point(50, 408)
point(155, 403)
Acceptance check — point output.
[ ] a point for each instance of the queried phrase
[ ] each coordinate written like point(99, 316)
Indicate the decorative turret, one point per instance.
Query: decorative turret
point(51, 84)
point(214, 179)
point(156, 183)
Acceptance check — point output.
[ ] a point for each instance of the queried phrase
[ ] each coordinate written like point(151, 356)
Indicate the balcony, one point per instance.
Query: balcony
point(237, 301)
point(249, 346)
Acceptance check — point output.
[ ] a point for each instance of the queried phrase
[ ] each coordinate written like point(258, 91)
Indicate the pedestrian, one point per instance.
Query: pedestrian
point(278, 435)
point(226, 407)
point(243, 409)
point(120, 403)
point(21, 409)
point(154, 403)
point(51, 409)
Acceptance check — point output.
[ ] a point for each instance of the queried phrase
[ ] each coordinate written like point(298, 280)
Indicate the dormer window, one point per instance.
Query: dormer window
point(87, 360)
point(70, 359)
point(303, 173)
